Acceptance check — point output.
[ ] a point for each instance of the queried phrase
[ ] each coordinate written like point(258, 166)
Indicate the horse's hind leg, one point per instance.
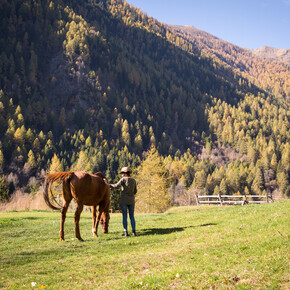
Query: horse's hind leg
point(98, 218)
point(78, 211)
point(67, 199)
point(62, 217)
point(94, 221)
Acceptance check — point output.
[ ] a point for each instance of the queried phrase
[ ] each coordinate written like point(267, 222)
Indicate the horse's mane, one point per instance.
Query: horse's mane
point(100, 174)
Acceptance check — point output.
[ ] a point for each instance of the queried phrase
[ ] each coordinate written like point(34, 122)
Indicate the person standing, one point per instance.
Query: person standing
point(127, 200)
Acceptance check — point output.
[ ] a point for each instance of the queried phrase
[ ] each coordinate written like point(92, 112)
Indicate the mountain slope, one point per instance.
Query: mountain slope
point(92, 85)
point(270, 75)
point(90, 58)
point(282, 55)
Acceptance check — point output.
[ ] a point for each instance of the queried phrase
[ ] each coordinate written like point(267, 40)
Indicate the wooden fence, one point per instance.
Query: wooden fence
point(231, 199)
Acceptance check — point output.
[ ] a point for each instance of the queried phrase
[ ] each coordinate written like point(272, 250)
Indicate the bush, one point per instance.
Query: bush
point(4, 189)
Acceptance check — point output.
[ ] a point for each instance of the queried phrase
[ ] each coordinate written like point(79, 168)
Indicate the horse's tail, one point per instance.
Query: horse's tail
point(49, 179)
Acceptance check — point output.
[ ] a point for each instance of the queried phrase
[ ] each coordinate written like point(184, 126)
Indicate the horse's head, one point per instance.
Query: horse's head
point(105, 218)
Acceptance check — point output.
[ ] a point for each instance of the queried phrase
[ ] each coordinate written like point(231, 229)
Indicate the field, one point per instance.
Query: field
point(238, 247)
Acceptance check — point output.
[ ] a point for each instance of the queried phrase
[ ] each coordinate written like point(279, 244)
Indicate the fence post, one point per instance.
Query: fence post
point(220, 199)
point(245, 200)
point(196, 198)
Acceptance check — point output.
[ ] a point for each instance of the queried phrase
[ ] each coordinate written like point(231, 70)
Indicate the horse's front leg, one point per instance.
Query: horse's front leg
point(77, 216)
point(94, 221)
point(97, 222)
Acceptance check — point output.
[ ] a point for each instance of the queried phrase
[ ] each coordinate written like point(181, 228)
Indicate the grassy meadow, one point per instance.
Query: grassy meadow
point(236, 247)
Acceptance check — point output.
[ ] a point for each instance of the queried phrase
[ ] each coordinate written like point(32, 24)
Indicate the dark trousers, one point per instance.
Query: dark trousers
point(124, 209)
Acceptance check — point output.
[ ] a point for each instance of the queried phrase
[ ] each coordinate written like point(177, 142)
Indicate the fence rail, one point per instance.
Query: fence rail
point(231, 199)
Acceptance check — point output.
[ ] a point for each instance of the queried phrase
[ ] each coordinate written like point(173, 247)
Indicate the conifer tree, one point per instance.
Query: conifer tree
point(258, 182)
point(41, 137)
point(246, 191)
point(274, 162)
point(82, 163)
point(252, 154)
point(188, 174)
point(36, 145)
point(138, 143)
point(199, 181)
point(31, 159)
point(55, 165)
point(88, 142)
point(18, 137)
point(283, 183)
point(152, 184)
point(1, 160)
point(4, 189)
point(216, 190)
point(20, 120)
point(176, 170)
point(29, 136)
point(223, 187)
point(285, 158)
point(125, 133)
point(33, 67)
point(210, 184)
point(49, 148)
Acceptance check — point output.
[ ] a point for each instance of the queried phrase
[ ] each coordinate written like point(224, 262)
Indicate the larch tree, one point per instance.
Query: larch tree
point(82, 163)
point(18, 137)
point(152, 182)
point(223, 187)
point(125, 133)
point(55, 165)
point(283, 183)
point(138, 143)
point(31, 159)
point(36, 145)
point(199, 181)
point(258, 182)
point(29, 136)
point(1, 160)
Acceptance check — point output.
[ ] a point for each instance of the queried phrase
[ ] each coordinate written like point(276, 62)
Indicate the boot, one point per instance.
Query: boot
point(126, 234)
point(134, 234)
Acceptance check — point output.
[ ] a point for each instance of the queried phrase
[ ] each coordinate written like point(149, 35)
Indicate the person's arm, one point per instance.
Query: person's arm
point(118, 184)
point(135, 188)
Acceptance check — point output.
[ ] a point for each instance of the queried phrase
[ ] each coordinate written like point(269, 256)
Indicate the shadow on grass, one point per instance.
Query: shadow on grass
point(17, 219)
point(25, 257)
point(159, 231)
point(165, 231)
point(206, 225)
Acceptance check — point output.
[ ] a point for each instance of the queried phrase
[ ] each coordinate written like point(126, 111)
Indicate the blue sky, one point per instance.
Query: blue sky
point(247, 23)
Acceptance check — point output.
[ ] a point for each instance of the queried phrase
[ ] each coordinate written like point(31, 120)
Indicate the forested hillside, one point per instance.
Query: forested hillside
point(93, 85)
point(273, 53)
point(267, 68)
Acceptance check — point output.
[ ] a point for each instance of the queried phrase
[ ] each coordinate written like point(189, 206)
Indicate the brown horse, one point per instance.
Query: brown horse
point(86, 189)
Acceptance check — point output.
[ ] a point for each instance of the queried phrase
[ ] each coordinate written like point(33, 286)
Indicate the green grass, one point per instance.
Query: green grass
point(239, 247)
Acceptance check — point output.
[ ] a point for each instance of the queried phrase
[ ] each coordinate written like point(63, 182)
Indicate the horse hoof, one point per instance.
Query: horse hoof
point(94, 233)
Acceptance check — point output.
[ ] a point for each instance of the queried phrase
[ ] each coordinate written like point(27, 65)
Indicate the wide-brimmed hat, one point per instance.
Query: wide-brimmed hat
point(125, 170)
